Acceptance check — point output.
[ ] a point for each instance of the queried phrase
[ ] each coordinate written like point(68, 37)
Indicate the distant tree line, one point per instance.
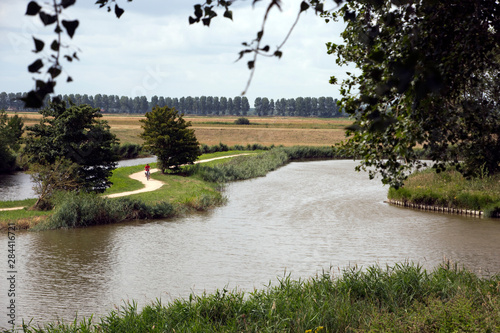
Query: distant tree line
point(205, 105)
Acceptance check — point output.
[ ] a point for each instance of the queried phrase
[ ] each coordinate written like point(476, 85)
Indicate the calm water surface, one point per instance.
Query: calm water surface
point(301, 219)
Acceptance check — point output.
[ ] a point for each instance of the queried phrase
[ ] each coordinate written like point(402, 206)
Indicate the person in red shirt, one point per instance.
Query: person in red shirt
point(148, 173)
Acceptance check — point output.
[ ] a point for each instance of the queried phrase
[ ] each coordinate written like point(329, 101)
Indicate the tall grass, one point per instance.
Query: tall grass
point(128, 150)
point(402, 298)
point(246, 167)
point(221, 147)
point(85, 209)
point(450, 189)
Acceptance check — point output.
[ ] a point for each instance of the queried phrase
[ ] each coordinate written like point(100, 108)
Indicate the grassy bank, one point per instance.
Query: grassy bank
point(451, 189)
point(197, 189)
point(403, 298)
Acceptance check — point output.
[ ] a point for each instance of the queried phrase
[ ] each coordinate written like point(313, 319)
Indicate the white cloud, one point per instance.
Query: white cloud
point(152, 50)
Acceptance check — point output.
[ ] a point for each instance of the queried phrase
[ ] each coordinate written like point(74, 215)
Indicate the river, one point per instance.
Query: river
point(301, 219)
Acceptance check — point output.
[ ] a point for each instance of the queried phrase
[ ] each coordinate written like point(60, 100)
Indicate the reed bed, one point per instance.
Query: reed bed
point(450, 189)
point(399, 298)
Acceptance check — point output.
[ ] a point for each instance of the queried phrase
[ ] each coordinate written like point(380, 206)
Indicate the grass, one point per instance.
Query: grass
point(450, 189)
point(401, 298)
point(17, 203)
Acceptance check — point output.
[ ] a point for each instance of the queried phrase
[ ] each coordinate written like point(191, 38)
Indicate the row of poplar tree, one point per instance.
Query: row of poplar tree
point(204, 105)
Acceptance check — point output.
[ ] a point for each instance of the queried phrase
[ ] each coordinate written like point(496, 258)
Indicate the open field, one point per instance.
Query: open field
point(286, 131)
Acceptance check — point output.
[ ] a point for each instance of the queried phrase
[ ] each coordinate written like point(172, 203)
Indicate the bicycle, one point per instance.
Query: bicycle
point(148, 175)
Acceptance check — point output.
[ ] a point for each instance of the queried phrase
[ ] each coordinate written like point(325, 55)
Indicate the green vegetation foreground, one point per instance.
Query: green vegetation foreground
point(403, 298)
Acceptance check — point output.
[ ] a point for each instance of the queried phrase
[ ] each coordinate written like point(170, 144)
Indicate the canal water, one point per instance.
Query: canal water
point(301, 219)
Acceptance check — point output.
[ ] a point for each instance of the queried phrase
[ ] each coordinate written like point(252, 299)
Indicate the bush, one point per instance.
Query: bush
point(127, 150)
point(242, 121)
point(73, 210)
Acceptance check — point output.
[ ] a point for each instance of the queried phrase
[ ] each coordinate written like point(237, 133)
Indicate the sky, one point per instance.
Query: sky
point(152, 50)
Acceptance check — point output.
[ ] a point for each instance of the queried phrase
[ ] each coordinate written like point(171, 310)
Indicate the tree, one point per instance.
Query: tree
point(245, 106)
point(49, 178)
point(167, 135)
point(11, 130)
point(428, 77)
point(75, 134)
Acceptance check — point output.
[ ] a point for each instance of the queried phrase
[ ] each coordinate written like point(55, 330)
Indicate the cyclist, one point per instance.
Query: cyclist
point(147, 168)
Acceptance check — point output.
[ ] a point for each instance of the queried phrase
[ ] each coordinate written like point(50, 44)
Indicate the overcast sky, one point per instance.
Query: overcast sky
point(152, 50)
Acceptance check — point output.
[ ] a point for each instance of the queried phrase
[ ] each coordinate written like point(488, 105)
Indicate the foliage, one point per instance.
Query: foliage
point(166, 135)
point(325, 107)
point(427, 76)
point(75, 210)
point(50, 178)
point(450, 189)
point(11, 130)
point(221, 147)
point(401, 298)
point(242, 121)
point(251, 166)
point(127, 150)
point(74, 133)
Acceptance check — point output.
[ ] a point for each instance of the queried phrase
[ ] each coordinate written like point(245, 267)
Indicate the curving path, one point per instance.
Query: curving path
point(149, 185)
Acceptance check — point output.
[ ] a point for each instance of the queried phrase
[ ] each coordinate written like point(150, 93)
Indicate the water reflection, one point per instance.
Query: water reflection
point(302, 218)
point(16, 186)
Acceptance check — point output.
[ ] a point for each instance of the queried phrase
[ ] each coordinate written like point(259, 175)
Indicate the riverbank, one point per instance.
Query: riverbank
point(181, 197)
point(402, 298)
point(449, 192)
point(196, 189)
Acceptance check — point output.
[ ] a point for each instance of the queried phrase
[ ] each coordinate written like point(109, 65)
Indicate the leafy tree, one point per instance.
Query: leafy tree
point(245, 106)
point(49, 178)
point(428, 77)
point(237, 105)
point(75, 134)
point(168, 136)
point(11, 130)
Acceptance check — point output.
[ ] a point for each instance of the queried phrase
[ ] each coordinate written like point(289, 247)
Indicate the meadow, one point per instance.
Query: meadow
point(286, 131)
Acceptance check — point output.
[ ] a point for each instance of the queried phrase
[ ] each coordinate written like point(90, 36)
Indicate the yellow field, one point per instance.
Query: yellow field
point(287, 131)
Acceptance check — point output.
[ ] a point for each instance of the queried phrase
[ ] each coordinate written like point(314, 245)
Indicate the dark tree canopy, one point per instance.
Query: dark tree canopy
point(11, 130)
point(75, 134)
point(428, 77)
point(168, 136)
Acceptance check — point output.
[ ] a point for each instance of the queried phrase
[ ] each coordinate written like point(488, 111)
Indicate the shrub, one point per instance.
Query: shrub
point(242, 121)
point(127, 150)
point(75, 210)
